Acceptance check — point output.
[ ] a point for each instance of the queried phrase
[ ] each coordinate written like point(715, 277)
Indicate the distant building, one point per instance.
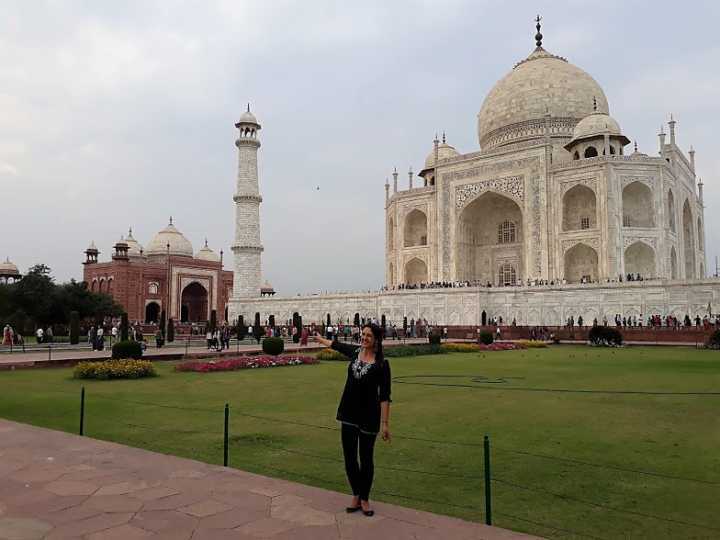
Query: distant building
point(165, 275)
point(9, 273)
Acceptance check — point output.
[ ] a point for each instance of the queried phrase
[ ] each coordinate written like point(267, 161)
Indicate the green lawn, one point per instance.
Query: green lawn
point(603, 439)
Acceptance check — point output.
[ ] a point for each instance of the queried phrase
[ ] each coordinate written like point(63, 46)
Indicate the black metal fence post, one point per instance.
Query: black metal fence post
point(225, 446)
point(82, 411)
point(488, 496)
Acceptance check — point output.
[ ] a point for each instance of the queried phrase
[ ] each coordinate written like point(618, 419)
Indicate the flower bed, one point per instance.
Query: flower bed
point(244, 362)
point(532, 343)
point(500, 346)
point(114, 369)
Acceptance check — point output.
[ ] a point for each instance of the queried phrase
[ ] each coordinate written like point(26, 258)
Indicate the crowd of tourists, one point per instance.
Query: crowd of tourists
point(652, 321)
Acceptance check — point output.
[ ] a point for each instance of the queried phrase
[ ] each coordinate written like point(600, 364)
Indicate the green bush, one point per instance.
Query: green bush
point(114, 369)
point(605, 336)
point(127, 349)
point(411, 350)
point(124, 327)
point(171, 330)
point(714, 340)
point(273, 345)
point(486, 338)
point(331, 355)
point(434, 338)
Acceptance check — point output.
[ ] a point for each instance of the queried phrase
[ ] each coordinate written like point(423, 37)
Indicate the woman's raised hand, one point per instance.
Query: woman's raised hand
point(321, 340)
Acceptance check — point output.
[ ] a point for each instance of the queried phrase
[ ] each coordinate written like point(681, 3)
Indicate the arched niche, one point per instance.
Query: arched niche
point(688, 241)
point(415, 271)
point(590, 151)
point(152, 312)
point(640, 259)
point(489, 227)
point(581, 263)
point(507, 275)
point(673, 263)
point(671, 211)
point(579, 209)
point(638, 209)
point(700, 235)
point(416, 229)
point(194, 299)
point(391, 234)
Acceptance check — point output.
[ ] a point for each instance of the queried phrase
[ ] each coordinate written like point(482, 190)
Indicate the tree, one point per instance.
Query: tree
point(74, 328)
point(162, 322)
point(271, 321)
point(124, 327)
point(241, 329)
point(171, 330)
point(257, 329)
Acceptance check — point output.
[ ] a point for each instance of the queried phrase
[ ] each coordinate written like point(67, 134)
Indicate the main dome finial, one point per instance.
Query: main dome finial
point(538, 36)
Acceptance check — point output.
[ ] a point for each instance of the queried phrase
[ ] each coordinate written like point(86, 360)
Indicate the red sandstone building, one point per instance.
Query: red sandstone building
point(138, 278)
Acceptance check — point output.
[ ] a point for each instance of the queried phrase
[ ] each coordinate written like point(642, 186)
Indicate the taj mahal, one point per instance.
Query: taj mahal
point(546, 220)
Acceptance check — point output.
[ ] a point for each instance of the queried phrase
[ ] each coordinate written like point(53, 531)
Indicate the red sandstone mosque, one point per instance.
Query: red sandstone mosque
point(167, 274)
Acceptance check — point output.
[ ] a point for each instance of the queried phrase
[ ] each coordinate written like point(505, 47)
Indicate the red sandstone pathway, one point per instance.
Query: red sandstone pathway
point(56, 485)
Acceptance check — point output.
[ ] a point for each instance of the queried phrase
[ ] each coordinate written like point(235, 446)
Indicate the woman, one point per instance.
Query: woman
point(364, 410)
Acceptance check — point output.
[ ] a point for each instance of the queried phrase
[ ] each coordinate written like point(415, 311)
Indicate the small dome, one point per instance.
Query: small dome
point(134, 247)
point(247, 117)
point(445, 151)
point(207, 254)
point(92, 246)
point(597, 123)
point(8, 269)
point(179, 245)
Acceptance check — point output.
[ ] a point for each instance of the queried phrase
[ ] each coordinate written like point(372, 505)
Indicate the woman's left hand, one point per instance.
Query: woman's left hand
point(386, 433)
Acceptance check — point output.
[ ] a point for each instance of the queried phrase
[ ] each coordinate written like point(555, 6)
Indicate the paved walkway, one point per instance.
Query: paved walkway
point(55, 485)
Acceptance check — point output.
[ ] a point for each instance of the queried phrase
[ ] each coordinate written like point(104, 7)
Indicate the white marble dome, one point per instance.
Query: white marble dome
point(134, 247)
point(596, 123)
point(445, 151)
point(207, 254)
point(179, 245)
point(247, 118)
point(516, 107)
point(9, 268)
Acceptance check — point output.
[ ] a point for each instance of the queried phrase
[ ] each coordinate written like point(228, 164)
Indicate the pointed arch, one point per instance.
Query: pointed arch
point(671, 211)
point(581, 264)
point(391, 234)
point(640, 259)
point(415, 228)
point(638, 209)
point(415, 271)
point(688, 241)
point(579, 209)
point(673, 263)
point(700, 235)
point(591, 151)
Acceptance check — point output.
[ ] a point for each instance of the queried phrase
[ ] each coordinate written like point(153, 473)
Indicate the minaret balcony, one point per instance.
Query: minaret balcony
point(241, 248)
point(247, 197)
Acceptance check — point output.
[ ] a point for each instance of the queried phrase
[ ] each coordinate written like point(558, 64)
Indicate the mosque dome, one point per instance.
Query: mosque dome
point(542, 85)
point(179, 245)
point(8, 268)
point(207, 254)
point(134, 247)
point(595, 124)
point(445, 151)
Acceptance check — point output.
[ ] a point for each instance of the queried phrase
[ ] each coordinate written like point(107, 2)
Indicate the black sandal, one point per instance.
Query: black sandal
point(369, 513)
point(352, 509)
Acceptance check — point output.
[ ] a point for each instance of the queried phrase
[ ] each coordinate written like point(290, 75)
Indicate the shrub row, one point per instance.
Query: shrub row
point(114, 369)
point(532, 343)
point(412, 350)
point(605, 336)
point(127, 349)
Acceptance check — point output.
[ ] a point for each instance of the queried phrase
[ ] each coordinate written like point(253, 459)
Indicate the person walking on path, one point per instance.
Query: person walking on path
point(364, 410)
point(304, 337)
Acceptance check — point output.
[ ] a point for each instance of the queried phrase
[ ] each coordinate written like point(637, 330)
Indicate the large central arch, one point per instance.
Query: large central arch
point(194, 303)
point(489, 230)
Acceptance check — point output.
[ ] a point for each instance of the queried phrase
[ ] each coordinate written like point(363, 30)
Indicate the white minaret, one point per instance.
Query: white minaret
point(247, 247)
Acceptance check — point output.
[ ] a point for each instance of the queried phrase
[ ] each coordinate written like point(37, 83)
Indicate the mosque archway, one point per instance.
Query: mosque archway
point(581, 264)
point(579, 209)
point(637, 206)
point(640, 259)
point(489, 232)
point(416, 229)
point(673, 263)
point(415, 272)
point(152, 312)
point(195, 301)
point(671, 210)
point(688, 241)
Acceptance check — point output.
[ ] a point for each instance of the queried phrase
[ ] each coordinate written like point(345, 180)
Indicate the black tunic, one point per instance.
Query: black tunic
point(367, 385)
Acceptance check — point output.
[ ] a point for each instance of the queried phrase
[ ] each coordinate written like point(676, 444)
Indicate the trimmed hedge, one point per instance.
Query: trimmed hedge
point(486, 338)
point(460, 347)
point(332, 355)
point(713, 341)
point(115, 369)
point(605, 336)
point(411, 350)
point(273, 345)
point(126, 349)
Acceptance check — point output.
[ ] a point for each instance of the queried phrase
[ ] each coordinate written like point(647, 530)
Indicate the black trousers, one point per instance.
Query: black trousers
point(360, 475)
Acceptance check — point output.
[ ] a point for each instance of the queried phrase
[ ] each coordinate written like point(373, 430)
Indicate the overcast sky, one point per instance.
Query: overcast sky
point(119, 114)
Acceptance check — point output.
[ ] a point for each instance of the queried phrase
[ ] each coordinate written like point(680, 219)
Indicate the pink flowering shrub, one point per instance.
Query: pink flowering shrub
point(244, 362)
point(501, 346)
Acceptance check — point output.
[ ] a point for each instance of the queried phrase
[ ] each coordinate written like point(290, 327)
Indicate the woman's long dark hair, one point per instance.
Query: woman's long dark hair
point(378, 335)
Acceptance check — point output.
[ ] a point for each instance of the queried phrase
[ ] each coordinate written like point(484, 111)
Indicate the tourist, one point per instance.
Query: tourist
point(49, 335)
point(304, 337)
point(8, 334)
point(208, 338)
point(364, 410)
point(158, 339)
point(92, 334)
point(39, 335)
